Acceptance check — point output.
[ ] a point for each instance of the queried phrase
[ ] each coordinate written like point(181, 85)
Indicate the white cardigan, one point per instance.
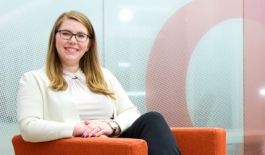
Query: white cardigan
point(44, 114)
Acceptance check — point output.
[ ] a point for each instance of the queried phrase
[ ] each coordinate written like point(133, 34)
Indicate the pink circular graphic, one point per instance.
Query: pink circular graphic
point(171, 52)
point(254, 68)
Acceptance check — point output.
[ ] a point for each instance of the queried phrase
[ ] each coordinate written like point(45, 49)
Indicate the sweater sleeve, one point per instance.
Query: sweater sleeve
point(126, 111)
point(30, 114)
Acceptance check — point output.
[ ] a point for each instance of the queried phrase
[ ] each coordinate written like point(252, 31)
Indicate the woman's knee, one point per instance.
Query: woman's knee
point(153, 116)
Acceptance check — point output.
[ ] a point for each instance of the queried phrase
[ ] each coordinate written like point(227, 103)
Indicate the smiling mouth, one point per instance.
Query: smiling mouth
point(71, 50)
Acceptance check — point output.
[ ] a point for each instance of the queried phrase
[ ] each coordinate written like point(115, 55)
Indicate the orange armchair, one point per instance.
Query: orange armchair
point(191, 141)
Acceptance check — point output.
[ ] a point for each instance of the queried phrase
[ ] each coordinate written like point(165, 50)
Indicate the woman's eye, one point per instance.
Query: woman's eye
point(66, 34)
point(81, 35)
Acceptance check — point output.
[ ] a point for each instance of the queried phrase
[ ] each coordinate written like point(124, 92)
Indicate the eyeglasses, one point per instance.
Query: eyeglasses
point(64, 34)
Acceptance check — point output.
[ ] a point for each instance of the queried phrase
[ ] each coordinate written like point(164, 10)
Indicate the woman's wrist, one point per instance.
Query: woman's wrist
point(115, 128)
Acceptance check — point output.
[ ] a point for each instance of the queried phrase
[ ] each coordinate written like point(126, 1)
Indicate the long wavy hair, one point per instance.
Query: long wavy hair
point(89, 63)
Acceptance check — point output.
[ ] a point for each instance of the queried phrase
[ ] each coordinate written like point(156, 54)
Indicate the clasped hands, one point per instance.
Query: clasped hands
point(92, 129)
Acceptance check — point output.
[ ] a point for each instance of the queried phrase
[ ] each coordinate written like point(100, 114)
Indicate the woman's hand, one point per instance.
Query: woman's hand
point(94, 129)
point(88, 129)
point(97, 129)
point(79, 129)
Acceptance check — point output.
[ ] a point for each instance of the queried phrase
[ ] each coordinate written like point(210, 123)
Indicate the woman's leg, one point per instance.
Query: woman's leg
point(153, 128)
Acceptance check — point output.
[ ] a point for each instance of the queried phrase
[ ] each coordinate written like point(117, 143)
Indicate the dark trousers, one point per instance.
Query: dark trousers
point(153, 128)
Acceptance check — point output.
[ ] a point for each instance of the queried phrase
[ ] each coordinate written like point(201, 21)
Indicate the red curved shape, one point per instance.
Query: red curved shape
point(171, 52)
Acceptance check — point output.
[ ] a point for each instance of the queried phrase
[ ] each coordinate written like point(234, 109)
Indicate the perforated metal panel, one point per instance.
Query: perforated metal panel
point(185, 59)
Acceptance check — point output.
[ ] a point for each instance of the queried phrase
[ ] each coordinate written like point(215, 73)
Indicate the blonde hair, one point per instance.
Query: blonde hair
point(89, 63)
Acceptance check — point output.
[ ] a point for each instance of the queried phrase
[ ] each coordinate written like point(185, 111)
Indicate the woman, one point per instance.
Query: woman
point(74, 96)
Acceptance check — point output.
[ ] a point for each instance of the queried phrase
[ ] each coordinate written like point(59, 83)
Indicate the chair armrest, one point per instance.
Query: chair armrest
point(81, 146)
point(206, 141)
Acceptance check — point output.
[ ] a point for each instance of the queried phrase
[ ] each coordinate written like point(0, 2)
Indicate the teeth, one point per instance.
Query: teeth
point(71, 49)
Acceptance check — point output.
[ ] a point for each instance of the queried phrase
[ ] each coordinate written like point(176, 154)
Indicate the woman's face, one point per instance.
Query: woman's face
point(70, 51)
